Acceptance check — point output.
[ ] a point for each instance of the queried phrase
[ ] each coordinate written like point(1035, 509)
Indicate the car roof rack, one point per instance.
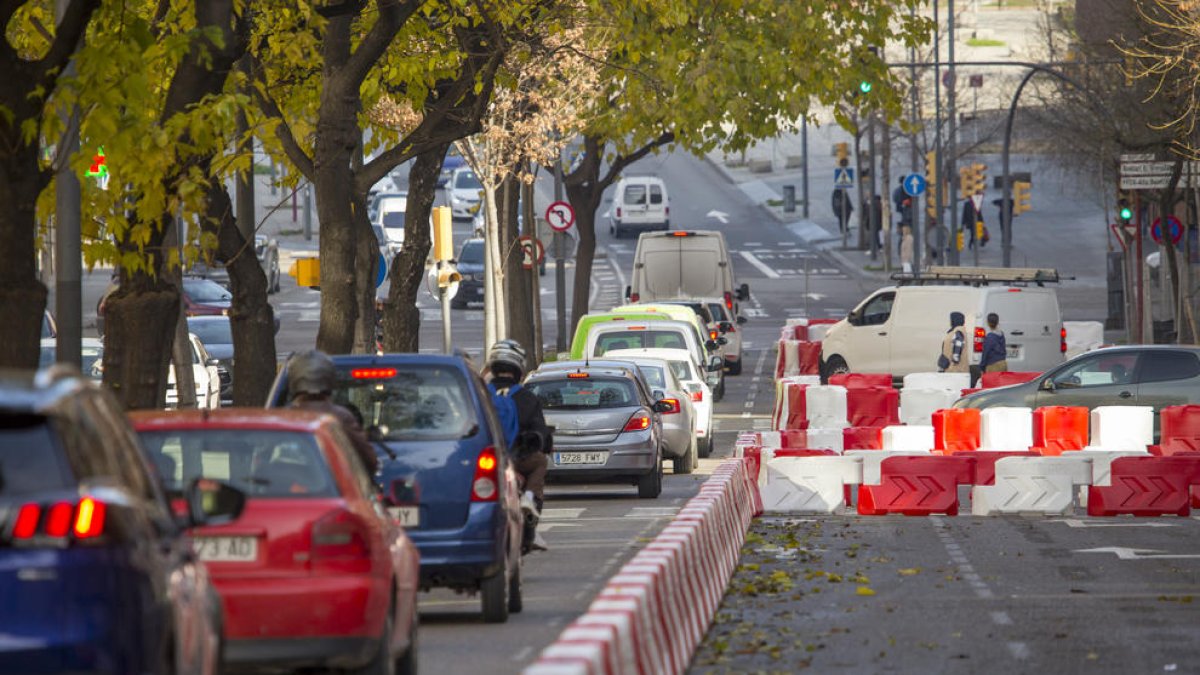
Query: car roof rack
point(980, 276)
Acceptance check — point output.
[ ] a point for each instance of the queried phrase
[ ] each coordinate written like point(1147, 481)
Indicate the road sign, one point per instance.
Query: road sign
point(1174, 227)
point(381, 270)
point(843, 178)
point(977, 81)
point(1147, 168)
point(1138, 157)
point(977, 200)
point(560, 216)
point(529, 246)
point(914, 184)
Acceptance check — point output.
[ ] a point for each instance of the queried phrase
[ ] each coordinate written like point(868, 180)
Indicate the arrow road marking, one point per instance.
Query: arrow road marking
point(1075, 522)
point(719, 215)
point(760, 265)
point(1137, 553)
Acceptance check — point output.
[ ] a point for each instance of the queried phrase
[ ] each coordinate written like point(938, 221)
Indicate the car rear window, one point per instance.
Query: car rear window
point(635, 194)
point(261, 463)
point(466, 180)
point(205, 290)
point(682, 370)
point(1163, 366)
point(409, 403)
point(30, 456)
point(654, 375)
point(212, 332)
point(393, 220)
point(717, 311)
point(580, 394)
point(639, 339)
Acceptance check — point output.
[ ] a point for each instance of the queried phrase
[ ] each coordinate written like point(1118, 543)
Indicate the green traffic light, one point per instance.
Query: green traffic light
point(1126, 213)
point(864, 87)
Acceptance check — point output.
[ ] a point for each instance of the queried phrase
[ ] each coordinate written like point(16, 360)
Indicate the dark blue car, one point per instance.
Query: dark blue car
point(97, 574)
point(435, 427)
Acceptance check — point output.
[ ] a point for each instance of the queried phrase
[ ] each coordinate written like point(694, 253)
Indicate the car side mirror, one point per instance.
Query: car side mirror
point(662, 407)
point(714, 364)
point(658, 393)
point(725, 326)
point(711, 345)
point(854, 318)
point(741, 320)
point(210, 361)
point(743, 292)
point(211, 502)
point(722, 341)
point(1048, 385)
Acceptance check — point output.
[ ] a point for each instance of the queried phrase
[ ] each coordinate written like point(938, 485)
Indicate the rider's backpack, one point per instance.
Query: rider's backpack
point(506, 411)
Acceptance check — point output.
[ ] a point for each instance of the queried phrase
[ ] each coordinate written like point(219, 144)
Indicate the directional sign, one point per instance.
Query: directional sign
point(381, 270)
point(529, 247)
point(560, 216)
point(914, 184)
point(1173, 226)
point(843, 178)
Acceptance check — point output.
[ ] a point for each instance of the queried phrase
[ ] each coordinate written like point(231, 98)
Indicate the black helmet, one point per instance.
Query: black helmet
point(507, 356)
point(311, 372)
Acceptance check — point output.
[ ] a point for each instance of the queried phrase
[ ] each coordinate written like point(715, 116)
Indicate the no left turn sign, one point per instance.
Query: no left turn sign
point(560, 216)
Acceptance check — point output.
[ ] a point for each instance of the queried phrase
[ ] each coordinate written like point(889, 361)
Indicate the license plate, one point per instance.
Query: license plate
point(565, 458)
point(226, 549)
point(1014, 351)
point(407, 516)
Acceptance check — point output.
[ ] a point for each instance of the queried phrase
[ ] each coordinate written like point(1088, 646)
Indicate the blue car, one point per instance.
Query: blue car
point(97, 574)
point(435, 429)
point(453, 160)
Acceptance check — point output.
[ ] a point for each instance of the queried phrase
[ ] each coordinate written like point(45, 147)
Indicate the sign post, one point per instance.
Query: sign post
point(560, 216)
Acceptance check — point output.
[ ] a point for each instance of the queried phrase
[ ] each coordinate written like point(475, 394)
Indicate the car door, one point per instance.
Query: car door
point(1167, 377)
point(1101, 378)
point(869, 341)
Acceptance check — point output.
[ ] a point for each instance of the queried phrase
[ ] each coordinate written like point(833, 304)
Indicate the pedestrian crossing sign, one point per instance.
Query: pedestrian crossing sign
point(843, 178)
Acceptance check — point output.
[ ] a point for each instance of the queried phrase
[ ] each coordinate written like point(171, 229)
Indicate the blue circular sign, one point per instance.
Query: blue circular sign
point(914, 184)
point(1174, 228)
point(381, 270)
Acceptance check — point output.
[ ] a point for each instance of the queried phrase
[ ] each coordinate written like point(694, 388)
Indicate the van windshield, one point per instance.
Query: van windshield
point(639, 339)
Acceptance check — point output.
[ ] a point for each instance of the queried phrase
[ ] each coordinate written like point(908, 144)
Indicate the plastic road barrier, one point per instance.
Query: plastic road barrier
point(1122, 427)
point(826, 406)
point(1179, 429)
point(860, 380)
point(1043, 485)
point(1005, 429)
point(908, 438)
point(985, 464)
point(872, 406)
point(1005, 378)
point(954, 382)
point(1147, 486)
point(956, 430)
point(1057, 429)
point(831, 439)
point(917, 486)
point(918, 405)
point(1083, 336)
point(809, 484)
point(862, 438)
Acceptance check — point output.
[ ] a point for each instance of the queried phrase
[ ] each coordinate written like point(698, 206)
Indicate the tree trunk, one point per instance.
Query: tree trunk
point(585, 199)
point(366, 265)
point(401, 318)
point(516, 293)
point(139, 326)
point(22, 295)
point(181, 360)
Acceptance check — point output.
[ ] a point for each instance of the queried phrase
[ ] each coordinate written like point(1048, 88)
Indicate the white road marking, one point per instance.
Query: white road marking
point(1075, 522)
point(1123, 553)
point(522, 654)
point(760, 265)
point(561, 514)
point(652, 512)
point(1019, 650)
point(1001, 618)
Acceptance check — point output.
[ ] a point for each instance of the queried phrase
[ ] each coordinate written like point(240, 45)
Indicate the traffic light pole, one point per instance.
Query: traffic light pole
point(68, 256)
point(952, 134)
point(915, 219)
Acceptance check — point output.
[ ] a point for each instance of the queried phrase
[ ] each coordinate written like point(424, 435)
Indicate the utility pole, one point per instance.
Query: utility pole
point(864, 214)
point(804, 166)
point(68, 256)
point(560, 269)
point(952, 134)
point(934, 190)
point(872, 215)
point(939, 155)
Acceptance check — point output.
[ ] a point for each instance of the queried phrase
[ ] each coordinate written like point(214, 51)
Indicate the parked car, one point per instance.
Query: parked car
point(658, 334)
point(450, 163)
point(470, 266)
point(91, 351)
point(203, 296)
point(96, 571)
point(266, 249)
point(1152, 375)
point(435, 418)
point(205, 376)
point(640, 203)
point(49, 327)
point(464, 193)
point(216, 335)
point(685, 264)
point(692, 380)
point(315, 572)
point(608, 427)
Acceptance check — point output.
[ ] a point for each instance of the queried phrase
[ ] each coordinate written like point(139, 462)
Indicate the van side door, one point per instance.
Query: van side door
point(868, 341)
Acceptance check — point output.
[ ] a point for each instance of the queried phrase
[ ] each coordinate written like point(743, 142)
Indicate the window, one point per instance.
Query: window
point(635, 194)
point(717, 311)
point(639, 339)
point(393, 220)
point(1097, 371)
point(682, 370)
point(472, 252)
point(416, 403)
point(656, 194)
point(204, 291)
point(30, 457)
point(211, 332)
point(591, 393)
point(260, 462)
point(877, 310)
point(1163, 366)
point(466, 180)
point(654, 376)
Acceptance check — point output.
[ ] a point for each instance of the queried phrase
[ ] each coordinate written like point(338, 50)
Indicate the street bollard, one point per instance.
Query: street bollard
point(789, 198)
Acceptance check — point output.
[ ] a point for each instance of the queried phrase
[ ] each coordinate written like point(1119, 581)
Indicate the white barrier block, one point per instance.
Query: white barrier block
point(801, 379)
point(1033, 485)
point(771, 439)
point(1083, 336)
point(954, 382)
point(872, 462)
point(903, 437)
point(1122, 427)
point(826, 406)
point(809, 484)
point(817, 331)
point(791, 357)
point(1102, 459)
point(826, 439)
point(918, 405)
point(1005, 429)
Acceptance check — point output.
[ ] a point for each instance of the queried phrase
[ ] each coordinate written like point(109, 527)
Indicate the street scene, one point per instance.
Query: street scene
point(868, 345)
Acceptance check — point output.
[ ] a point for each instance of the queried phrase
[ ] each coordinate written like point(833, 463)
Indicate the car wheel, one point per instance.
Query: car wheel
point(719, 390)
point(494, 596)
point(704, 447)
point(735, 368)
point(407, 663)
point(383, 662)
point(687, 463)
point(650, 485)
point(515, 601)
point(836, 365)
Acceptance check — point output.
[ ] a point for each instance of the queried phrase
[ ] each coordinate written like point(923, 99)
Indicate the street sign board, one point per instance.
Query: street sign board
point(1174, 227)
point(1138, 157)
point(560, 216)
point(977, 200)
point(843, 178)
point(530, 247)
point(914, 184)
point(1157, 182)
point(1146, 168)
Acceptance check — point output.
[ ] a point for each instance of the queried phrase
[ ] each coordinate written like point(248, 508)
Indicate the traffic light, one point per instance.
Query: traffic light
point(443, 237)
point(841, 150)
point(966, 180)
point(979, 176)
point(931, 169)
point(1020, 197)
point(1124, 210)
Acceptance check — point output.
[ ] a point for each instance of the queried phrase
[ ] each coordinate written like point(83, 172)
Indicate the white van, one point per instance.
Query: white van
point(640, 203)
point(685, 265)
point(899, 329)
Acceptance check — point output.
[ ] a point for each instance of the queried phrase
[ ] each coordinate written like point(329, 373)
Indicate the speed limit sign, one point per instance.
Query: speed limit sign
point(560, 216)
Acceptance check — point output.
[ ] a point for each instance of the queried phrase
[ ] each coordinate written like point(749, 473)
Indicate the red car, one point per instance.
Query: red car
point(314, 573)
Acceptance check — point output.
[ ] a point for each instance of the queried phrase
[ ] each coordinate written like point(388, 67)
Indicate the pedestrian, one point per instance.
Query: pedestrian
point(906, 249)
point(994, 358)
point(842, 208)
point(970, 216)
point(877, 220)
point(952, 359)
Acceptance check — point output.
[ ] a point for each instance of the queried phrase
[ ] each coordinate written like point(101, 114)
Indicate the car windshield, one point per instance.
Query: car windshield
point(639, 339)
point(466, 180)
point(30, 457)
point(584, 393)
point(472, 252)
point(211, 332)
point(259, 462)
point(409, 403)
point(206, 290)
point(379, 233)
point(654, 375)
point(393, 220)
point(682, 370)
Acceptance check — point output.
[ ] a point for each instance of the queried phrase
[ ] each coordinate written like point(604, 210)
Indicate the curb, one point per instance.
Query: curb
point(654, 612)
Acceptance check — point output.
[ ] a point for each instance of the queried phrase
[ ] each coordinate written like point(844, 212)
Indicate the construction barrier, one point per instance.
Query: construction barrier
point(1083, 336)
point(917, 405)
point(1004, 428)
point(1057, 429)
point(872, 406)
point(860, 380)
point(956, 430)
point(917, 486)
point(1119, 427)
point(1179, 430)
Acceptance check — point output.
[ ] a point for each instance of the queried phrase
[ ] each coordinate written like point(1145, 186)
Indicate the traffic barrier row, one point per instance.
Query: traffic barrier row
point(652, 614)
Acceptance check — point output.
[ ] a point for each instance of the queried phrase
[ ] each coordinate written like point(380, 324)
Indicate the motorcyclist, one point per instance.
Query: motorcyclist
point(311, 380)
point(531, 440)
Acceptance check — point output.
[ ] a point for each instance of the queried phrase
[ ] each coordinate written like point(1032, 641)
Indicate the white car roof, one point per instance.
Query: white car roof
point(657, 353)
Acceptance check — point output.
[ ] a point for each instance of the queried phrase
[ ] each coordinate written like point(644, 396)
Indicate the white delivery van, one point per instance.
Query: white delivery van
point(684, 265)
point(899, 329)
point(640, 203)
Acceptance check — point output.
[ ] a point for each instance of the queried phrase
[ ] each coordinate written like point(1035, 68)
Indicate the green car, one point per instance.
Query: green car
point(587, 321)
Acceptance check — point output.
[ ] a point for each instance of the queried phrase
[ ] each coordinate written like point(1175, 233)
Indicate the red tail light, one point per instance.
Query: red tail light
point(27, 521)
point(712, 335)
point(338, 537)
point(84, 521)
point(618, 212)
point(633, 297)
point(728, 300)
point(639, 422)
point(979, 335)
point(1062, 339)
point(667, 210)
point(372, 373)
point(58, 519)
point(486, 485)
point(674, 403)
point(681, 234)
point(698, 396)
point(89, 519)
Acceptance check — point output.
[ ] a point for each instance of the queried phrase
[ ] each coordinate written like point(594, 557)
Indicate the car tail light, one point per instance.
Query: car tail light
point(1062, 339)
point(698, 396)
point(578, 376)
point(60, 520)
point(27, 521)
point(667, 211)
point(639, 422)
point(979, 335)
point(728, 300)
point(674, 403)
point(712, 335)
point(681, 234)
point(89, 519)
point(340, 536)
point(633, 297)
point(618, 212)
point(372, 373)
point(485, 486)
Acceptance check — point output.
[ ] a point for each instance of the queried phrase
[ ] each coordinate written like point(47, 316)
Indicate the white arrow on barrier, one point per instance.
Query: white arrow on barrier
point(1075, 522)
point(1137, 553)
point(719, 215)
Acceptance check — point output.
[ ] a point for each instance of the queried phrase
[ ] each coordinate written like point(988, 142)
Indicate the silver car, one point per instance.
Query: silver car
point(608, 428)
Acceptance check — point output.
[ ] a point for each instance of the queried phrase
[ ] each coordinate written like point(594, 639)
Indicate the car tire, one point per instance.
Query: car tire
point(735, 368)
point(704, 447)
point(650, 485)
point(836, 365)
point(493, 596)
point(687, 463)
point(719, 391)
point(516, 602)
point(383, 662)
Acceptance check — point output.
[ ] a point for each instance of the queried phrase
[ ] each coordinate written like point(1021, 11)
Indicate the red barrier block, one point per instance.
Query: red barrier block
point(968, 390)
point(872, 406)
point(797, 407)
point(985, 464)
point(780, 357)
point(810, 358)
point(794, 438)
point(1059, 428)
point(1179, 429)
point(956, 430)
point(1003, 379)
point(860, 380)
point(1147, 486)
point(862, 438)
point(917, 485)
point(799, 333)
